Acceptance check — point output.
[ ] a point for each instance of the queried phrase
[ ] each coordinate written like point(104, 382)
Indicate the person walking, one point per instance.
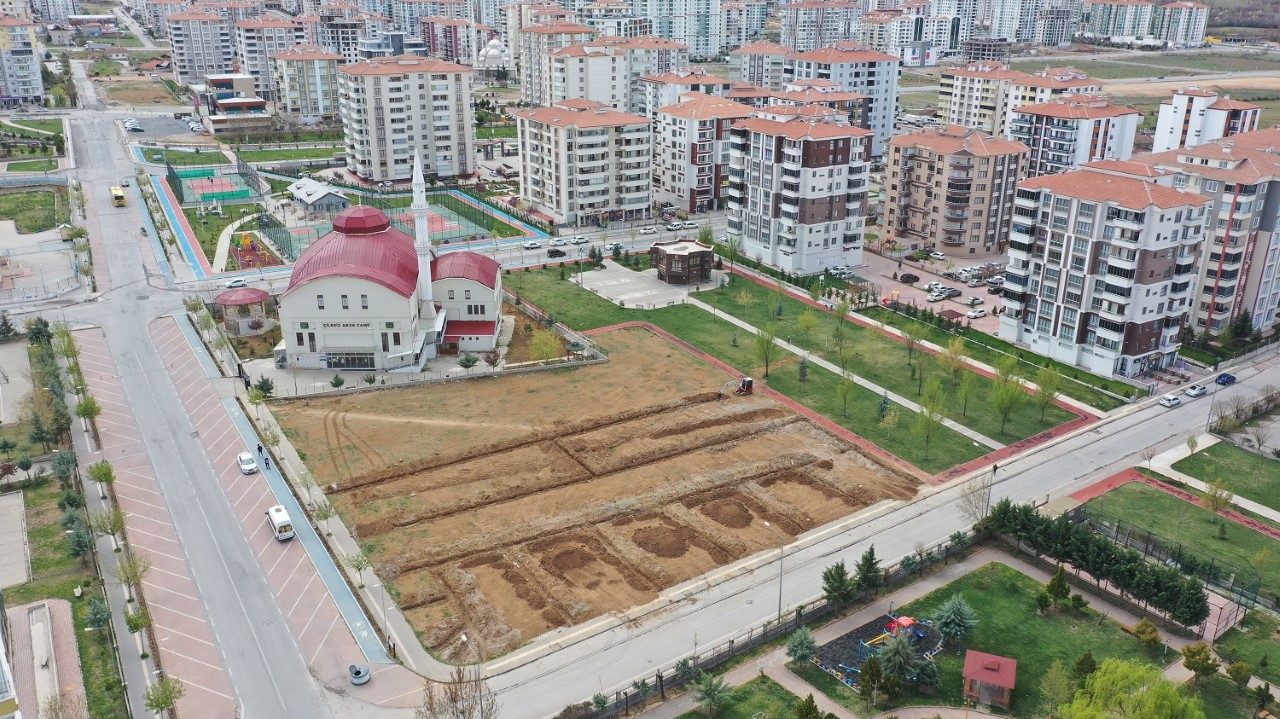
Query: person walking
point(266, 462)
point(259, 450)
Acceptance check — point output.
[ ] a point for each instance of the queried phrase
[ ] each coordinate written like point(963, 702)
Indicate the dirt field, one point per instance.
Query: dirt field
point(135, 92)
point(1165, 89)
point(528, 503)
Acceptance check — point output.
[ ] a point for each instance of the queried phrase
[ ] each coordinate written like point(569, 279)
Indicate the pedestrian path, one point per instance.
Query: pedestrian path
point(913, 406)
point(1163, 463)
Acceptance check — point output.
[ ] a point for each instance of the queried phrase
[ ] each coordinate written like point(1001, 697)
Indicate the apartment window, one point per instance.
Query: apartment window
point(345, 304)
point(301, 340)
point(451, 294)
point(319, 302)
point(1042, 325)
point(395, 338)
point(1211, 185)
point(364, 302)
point(1086, 209)
point(1062, 204)
point(1084, 228)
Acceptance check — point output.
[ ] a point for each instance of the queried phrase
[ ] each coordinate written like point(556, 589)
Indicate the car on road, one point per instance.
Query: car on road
point(673, 226)
point(1195, 390)
point(531, 245)
point(134, 128)
point(972, 301)
point(1225, 379)
point(578, 240)
point(237, 282)
point(936, 297)
point(689, 226)
point(933, 286)
point(246, 462)
point(648, 230)
point(611, 246)
point(937, 256)
point(553, 252)
point(975, 313)
point(907, 278)
point(722, 239)
point(1170, 400)
point(558, 242)
point(995, 289)
point(124, 182)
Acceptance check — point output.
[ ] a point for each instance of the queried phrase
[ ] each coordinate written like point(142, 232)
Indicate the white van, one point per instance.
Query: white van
point(281, 525)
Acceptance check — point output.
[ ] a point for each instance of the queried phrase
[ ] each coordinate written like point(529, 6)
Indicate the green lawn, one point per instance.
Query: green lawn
point(1251, 641)
point(105, 68)
point(1216, 62)
point(207, 232)
point(914, 102)
point(1222, 699)
point(35, 210)
point(582, 310)
point(880, 359)
point(284, 155)
point(46, 165)
point(1196, 528)
point(183, 158)
point(911, 79)
point(1246, 474)
point(55, 575)
point(489, 133)
point(299, 136)
point(54, 127)
point(760, 697)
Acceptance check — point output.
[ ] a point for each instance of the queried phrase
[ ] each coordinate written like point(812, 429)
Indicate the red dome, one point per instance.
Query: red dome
point(362, 245)
point(240, 296)
point(361, 220)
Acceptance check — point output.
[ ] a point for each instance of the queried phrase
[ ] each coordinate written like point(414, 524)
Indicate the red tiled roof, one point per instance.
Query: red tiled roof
point(991, 669)
point(955, 139)
point(581, 113)
point(241, 296)
point(836, 55)
point(362, 245)
point(764, 47)
point(400, 64)
point(1227, 103)
point(1127, 192)
point(701, 106)
point(456, 329)
point(801, 128)
point(466, 266)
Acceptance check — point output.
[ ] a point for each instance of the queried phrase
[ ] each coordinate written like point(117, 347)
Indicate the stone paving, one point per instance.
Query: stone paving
point(15, 555)
point(49, 660)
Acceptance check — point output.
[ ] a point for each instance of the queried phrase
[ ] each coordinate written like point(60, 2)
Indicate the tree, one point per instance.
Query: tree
point(255, 398)
point(7, 329)
point(464, 696)
point(1262, 696)
point(868, 572)
point(99, 612)
point(80, 543)
point(929, 417)
point(1147, 633)
point(101, 473)
point(927, 676)
point(952, 358)
point(1261, 434)
point(1217, 498)
point(24, 464)
point(358, 562)
point(732, 249)
point(806, 323)
point(1058, 588)
point(545, 345)
point(807, 708)
point(107, 523)
point(64, 468)
point(975, 499)
point(164, 694)
point(766, 348)
point(323, 512)
point(1200, 660)
point(7, 446)
point(39, 433)
point(801, 646)
point(335, 383)
point(467, 361)
point(1005, 399)
point(844, 388)
point(137, 620)
point(837, 585)
point(88, 408)
point(912, 334)
point(1084, 666)
point(955, 619)
point(266, 386)
point(63, 705)
point(710, 693)
point(965, 391)
point(1192, 444)
point(1240, 673)
point(898, 658)
point(131, 569)
point(204, 322)
point(1048, 384)
point(493, 358)
point(1055, 687)
point(869, 678)
point(1131, 690)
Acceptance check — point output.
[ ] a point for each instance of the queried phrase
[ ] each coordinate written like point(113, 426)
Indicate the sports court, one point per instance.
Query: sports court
point(205, 184)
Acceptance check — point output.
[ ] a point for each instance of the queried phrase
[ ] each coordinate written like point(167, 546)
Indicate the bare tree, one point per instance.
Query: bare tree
point(912, 334)
point(1192, 444)
point(975, 499)
point(464, 696)
point(131, 570)
point(766, 349)
point(1148, 454)
point(64, 706)
point(1217, 498)
point(1261, 434)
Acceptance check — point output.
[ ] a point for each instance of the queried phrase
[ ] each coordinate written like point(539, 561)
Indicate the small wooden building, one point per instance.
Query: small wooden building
point(682, 262)
point(989, 679)
point(244, 311)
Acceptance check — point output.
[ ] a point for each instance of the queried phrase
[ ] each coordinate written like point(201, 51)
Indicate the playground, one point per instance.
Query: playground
point(532, 502)
point(844, 656)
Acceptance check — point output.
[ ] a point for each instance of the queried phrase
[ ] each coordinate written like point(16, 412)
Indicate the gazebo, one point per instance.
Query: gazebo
point(682, 262)
point(244, 311)
point(989, 679)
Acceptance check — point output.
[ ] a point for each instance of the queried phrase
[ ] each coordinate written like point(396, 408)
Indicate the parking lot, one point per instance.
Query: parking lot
point(882, 270)
point(156, 127)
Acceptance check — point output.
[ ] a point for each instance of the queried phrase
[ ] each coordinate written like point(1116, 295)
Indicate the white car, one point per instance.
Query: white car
point(690, 226)
point(1170, 400)
point(648, 231)
point(673, 226)
point(578, 240)
point(1195, 390)
point(237, 282)
point(972, 301)
point(558, 242)
point(975, 313)
point(937, 255)
point(936, 297)
point(611, 246)
point(935, 285)
point(248, 465)
point(531, 245)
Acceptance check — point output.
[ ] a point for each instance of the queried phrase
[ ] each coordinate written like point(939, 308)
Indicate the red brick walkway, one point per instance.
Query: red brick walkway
point(66, 656)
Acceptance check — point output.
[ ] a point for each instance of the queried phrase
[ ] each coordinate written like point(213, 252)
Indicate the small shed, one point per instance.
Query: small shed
point(989, 679)
point(244, 311)
point(315, 196)
point(682, 262)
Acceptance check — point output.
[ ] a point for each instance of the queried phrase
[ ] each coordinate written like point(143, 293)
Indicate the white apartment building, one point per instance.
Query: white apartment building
point(454, 40)
point(57, 11)
point(918, 40)
point(9, 708)
point(866, 72)
point(1072, 131)
point(257, 40)
point(614, 18)
point(797, 188)
point(407, 15)
point(606, 70)
point(158, 12)
point(1195, 116)
point(389, 106)
point(202, 45)
point(1123, 21)
point(762, 63)
point(583, 163)
point(984, 94)
point(692, 23)
point(527, 13)
point(691, 151)
point(16, 8)
point(389, 43)
point(20, 60)
point(306, 83)
point(1182, 24)
point(1101, 270)
point(539, 41)
point(233, 10)
point(657, 91)
point(812, 24)
point(741, 22)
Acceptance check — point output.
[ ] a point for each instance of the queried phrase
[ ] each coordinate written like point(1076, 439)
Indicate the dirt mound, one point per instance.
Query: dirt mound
point(727, 512)
point(571, 559)
point(661, 542)
point(825, 464)
point(754, 415)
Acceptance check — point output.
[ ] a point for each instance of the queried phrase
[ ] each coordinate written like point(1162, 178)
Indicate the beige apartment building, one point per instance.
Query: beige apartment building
point(306, 82)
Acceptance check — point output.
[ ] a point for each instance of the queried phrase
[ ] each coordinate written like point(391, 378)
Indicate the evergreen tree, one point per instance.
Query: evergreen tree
point(837, 585)
point(869, 575)
point(869, 678)
point(801, 646)
point(1084, 667)
point(1058, 588)
point(6, 327)
point(898, 658)
point(955, 619)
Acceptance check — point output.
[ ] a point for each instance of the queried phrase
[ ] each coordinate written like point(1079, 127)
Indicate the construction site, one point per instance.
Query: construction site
point(532, 502)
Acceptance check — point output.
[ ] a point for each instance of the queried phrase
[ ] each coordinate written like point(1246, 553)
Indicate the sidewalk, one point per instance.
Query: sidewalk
point(1163, 463)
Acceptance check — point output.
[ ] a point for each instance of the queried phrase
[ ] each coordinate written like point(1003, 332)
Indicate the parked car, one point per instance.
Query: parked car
point(673, 226)
point(907, 278)
point(237, 282)
point(124, 182)
point(995, 289)
point(936, 297)
point(648, 231)
point(937, 256)
point(1195, 390)
point(1225, 379)
point(531, 245)
point(972, 301)
point(975, 313)
point(951, 292)
point(611, 246)
point(690, 225)
point(578, 240)
point(553, 252)
point(995, 280)
point(134, 128)
point(246, 462)
point(934, 285)
point(974, 283)
point(558, 242)
point(1170, 400)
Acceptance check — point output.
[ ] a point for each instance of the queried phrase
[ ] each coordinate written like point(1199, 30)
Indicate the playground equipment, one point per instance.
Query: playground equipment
point(741, 388)
point(844, 656)
point(896, 624)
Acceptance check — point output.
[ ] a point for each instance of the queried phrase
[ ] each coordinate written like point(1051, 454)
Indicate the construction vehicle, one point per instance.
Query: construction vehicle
point(741, 388)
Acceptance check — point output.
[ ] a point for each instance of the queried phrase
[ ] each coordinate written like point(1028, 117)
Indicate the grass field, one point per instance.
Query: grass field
point(911, 79)
point(488, 133)
point(284, 155)
point(183, 158)
point(1251, 641)
point(35, 210)
point(55, 575)
point(914, 102)
point(1197, 529)
point(1222, 699)
point(46, 165)
point(1244, 473)
point(760, 697)
point(53, 127)
point(1103, 70)
point(1215, 62)
point(580, 309)
point(105, 68)
point(207, 232)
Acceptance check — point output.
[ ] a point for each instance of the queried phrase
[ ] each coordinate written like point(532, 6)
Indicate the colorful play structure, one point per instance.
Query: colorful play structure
point(844, 656)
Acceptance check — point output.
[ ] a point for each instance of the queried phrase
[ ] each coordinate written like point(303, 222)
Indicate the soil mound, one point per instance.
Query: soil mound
point(661, 542)
point(727, 512)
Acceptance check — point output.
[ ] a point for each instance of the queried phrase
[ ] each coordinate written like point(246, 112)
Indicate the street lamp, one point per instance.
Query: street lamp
point(781, 554)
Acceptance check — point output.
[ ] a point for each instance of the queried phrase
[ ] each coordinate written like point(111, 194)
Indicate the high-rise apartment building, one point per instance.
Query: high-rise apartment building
point(1072, 131)
point(657, 91)
point(797, 188)
point(1118, 20)
point(390, 106)
point(539, 41)
point(455, 40)
point(984, 94)
point(1195, 116)
point(812, 24)
point(16, 8)
point(257, 40)
point(202, 45)
point(20, 61)
point(692, 23)
point(762, 63)
point(691, 151)
point(1182, 23)
point(607, 69)
point(584, 163)
point(912, 33)
point(306, 83)
point(389, 43)
point(859, 70)
point(1101, 270)
point(158, 12)
point(741, 22)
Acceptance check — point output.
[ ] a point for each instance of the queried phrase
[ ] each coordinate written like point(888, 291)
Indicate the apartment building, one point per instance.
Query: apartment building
point(233, 10)
point(797, 188)
point(17, 8)
point(1044, 86)
point(762, 63)
point(1101, 270)
point(657, 91)
point(614, 18)
point(390, 43)
point(811, 24)
point(1195, 116)
point(305, 78)
point(202, 45)
point(259, 39)
point(536, 43)
point(454, 40)
point(692, 23)
point(527, 13)
point(741, 22)
point(584, 163)
point(912, 33)
point(825, 93)
point(1239, 177)
point(390, 106)
point(952, 190)
point(20, 77)
point(857, 69)
point(1182, 24)
point(1125, 21)
point(751, 95)
point(407, 15)
point(984, 94)
point(158, 12)
point(9, 708)
point(691, 151)
point(57, 11)
point(607, 69)
point(1072, 131)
